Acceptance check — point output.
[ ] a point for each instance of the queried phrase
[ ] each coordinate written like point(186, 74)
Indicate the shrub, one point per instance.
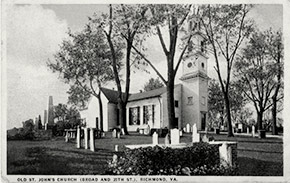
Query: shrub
point(194, 160)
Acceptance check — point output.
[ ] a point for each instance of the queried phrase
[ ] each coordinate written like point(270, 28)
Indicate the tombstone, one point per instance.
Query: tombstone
point(92, 139)
point(122, 131)
point(195, 135)
point(248, 130)
point(115, 158)
point(66, 137)
point(174, 136)
point(116, 148)
point(155, 138)
point(187, 128)
point(226, 154)
point(141, 131)
point(114, 133)
point(118, 135)
point(167, 139)
point(194, 128)
point(240, 128)
point(86, 138)
point(184, 129)
point(180, 133)
point(78, 137)
point(147, 130)
point(253, 130)
point(45, 126)
point(205, 138)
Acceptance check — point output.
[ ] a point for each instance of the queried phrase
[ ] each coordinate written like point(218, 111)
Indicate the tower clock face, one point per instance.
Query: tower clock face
point(189, 65)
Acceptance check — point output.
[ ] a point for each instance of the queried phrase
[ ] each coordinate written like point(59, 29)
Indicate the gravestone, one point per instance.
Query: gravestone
point(180, 133)
point(147, 130)
point(187, 128)
point(205, 138)
point(195, 135)
point(78, 137)
point(248, 130)
point(253, 130)
point(167, 139)
point(86, 138)
point(122, 131)
point(184, 129)
point(116, 148)
point(194, 128)
point(114, 133)
point(118, 135)
point(155, 138)
point(92, 139)
point(174, 136)
point(226, 155)
point(66, 136)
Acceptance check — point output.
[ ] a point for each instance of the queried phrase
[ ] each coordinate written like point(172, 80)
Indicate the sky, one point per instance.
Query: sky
point(34, 33)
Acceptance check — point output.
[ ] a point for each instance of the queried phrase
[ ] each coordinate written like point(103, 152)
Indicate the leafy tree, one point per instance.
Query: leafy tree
point(257, 72)
point(170, 17)
point(28, 127)
point(60, 112)
point(153, 84)
point(225, 27)
point(84, 62)
point(275, 48)
point(216, 104)
point(122, 28)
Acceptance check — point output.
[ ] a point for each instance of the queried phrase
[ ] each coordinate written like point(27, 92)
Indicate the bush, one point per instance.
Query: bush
point(167, 161)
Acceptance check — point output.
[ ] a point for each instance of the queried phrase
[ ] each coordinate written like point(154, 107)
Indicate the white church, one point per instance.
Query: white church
point(150, 108)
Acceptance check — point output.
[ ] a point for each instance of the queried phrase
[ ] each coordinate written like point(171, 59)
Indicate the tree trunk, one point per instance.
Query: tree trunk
point(170, 104)
point(260, 120)
point(274, 116)
point(228, 111)
point(101, 112)
point(122, 116)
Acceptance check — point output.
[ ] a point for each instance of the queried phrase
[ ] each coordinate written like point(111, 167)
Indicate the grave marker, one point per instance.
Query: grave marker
point(114, 133)
point(174, 136)
point(86, 138)
point(187, 128)
point(253, 130)
point(92, 139)
point(155, 138)
point(78, 137)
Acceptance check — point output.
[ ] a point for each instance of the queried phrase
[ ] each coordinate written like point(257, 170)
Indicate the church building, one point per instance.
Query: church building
point(150, 108)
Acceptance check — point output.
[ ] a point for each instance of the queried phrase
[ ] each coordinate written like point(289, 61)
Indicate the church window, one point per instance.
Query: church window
point(148, 114)
point(134, 116)
point(176, 103)
point(202, 65)
point(189, 100)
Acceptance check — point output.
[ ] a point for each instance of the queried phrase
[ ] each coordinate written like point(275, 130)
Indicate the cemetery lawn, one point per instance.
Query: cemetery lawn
point(256, 157)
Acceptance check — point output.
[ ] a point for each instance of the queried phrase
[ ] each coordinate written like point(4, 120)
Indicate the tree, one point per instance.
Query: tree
point(84, 62)
point(123, 25)
point(225, 27)
point(216, 103)
point(256, 72)
point(60, 112)
point(173, 18)
point(153, 84)
point(275, 49)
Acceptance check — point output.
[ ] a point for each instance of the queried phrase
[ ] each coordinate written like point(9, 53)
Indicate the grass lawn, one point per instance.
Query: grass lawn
point(56, 157)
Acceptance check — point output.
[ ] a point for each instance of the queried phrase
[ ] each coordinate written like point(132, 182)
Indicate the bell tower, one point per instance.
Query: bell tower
point(194, 78)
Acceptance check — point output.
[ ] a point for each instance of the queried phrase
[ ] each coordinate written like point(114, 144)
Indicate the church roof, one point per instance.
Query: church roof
point(148, 94)
point(111, 95)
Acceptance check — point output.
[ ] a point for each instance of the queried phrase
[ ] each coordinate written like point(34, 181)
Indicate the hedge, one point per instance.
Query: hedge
point(200, 158)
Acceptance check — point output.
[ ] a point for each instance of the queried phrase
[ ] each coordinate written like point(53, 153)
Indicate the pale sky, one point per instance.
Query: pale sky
point(34, 33)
